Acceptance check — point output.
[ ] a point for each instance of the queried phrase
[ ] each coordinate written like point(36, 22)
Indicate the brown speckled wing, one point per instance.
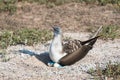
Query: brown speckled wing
point(69, 46)
point(78, 54)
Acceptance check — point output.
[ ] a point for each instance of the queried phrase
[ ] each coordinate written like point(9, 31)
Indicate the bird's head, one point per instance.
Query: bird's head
point(57, 30)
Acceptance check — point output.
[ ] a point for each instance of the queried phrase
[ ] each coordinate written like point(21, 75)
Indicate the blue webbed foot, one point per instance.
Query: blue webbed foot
point(51, 64)
point(57, 65)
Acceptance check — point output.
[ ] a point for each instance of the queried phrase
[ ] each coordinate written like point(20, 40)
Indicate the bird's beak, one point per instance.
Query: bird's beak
point(53, 28)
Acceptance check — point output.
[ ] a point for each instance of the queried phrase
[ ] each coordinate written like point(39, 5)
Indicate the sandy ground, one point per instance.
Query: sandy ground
point(71, 17)
point(29, 62)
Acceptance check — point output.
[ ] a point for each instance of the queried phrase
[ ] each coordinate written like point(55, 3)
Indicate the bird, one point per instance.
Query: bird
point(70, 52)
point(55, 50)
point(78, 54)
point(71, 45)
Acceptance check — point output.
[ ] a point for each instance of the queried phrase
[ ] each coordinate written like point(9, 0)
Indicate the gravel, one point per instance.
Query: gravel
point(29, 62)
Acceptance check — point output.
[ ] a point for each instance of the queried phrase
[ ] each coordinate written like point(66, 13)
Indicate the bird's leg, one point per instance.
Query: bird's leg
point(54, 64)
point(57, 65)
point(50, 63)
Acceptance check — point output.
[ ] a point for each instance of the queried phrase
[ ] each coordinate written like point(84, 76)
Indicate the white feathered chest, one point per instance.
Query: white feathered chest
point(55, 52)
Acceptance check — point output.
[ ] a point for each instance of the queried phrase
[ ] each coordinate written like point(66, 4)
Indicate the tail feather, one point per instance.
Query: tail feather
point(90, 40)
point(97, 32)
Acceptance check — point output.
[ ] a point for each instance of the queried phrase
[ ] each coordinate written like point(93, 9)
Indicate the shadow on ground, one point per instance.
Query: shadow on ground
point(43, 57)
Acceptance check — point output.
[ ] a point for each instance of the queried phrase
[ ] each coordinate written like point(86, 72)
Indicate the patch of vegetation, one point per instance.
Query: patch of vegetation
point(24, 36)
point(107, 32)
point(10, 5)
point(60, 2)
point(101, 2)
point(3, 56)
point(104, 2)
point(110, 32)
point(112, 72)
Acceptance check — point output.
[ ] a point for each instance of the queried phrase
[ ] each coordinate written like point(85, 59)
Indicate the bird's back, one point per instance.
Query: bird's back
point(69, 46)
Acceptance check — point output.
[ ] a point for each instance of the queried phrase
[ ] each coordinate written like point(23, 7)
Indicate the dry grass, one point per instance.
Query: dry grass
point(112, 72)
point(10, 5)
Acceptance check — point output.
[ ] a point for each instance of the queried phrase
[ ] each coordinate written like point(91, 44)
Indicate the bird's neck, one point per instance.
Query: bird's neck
point(58, 37)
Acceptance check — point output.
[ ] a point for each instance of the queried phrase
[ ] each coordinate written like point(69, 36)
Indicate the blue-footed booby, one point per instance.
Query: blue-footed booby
point(78, 54)
point(70, 52)
point(56, 51)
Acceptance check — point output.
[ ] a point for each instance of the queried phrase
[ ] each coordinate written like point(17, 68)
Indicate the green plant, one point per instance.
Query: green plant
point(24, 36)
point(5, 39)
point(104, 2)
point(110, 32)
point(90, 1)
point(3, 56)
point(111, 71)
point(8, 5)
point(50, 5)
